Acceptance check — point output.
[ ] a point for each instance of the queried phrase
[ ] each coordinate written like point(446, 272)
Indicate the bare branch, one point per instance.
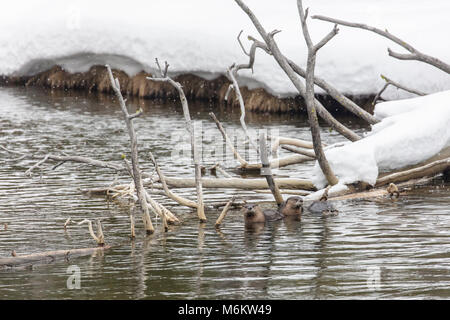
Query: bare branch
point(415, 54)
point(170, 194)
point(332, 91)
point(135, 115)
point(282, 61)
point(395, 84)
point(99, 237)
point(140, 191)
point(230, 88)
point(224, 212)
point(190, 129)
point(300, 151)
point(228, 141)
point(240, 43)
point(267, 172)
point(28, 172)
point(327, 38)
point(231, 74)
point(312, 116)
point(378, 95)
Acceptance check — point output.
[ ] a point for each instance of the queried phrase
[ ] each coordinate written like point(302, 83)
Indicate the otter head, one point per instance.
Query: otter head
point(252, 213)
point(292, 206)
point(393, 190)
point(330, 212)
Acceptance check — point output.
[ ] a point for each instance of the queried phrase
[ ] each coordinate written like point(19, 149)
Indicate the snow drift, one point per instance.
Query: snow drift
point(199, 37)
point(411, 131)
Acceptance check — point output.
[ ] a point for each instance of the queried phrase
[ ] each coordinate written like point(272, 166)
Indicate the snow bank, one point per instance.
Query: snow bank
point(411, 131)
point(199, 36)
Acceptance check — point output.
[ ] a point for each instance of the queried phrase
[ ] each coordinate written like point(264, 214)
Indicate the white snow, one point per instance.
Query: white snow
point(410, 132)
point(199, 36)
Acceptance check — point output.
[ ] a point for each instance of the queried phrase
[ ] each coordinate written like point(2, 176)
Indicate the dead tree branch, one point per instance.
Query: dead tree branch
point(429, 169)
point(331, 90)
point(395, 84)
point(266, 171)
point(227, 140)
point(62, 159)
point(190, 128)
point(99, 237)
point(134, 154)
point(274, 163)
point(312, 116)
point(300, 151)
point(276, 142)
point(413, 55)
point(232, 72)
point(284, 64)
point(224, 212)
point(239, 183)
point(168, 192)
point(48, 257)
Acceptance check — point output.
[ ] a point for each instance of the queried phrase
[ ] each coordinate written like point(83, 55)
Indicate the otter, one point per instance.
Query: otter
point(393, 190)
point(254, 214)
point(292, 206)
point(323, 206)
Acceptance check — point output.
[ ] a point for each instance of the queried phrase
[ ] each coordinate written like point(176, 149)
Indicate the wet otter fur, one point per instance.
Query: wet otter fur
point(292, 206)
point(254, 214)
point(323, 206)
point(393, 190)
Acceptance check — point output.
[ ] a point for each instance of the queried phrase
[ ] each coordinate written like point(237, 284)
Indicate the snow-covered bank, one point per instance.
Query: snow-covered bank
point(199, 36)
point(411, 131)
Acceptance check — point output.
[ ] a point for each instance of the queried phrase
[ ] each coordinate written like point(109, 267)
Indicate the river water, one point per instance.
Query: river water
point(372, 249)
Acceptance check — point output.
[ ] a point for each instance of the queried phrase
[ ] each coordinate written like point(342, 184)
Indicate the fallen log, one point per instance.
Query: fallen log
point(381, 192)
point(300, 151)
point(237, 183)
point(47, 257)
point(429, 169)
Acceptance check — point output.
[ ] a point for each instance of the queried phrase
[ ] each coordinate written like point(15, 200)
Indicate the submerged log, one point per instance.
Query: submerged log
point(48, 257)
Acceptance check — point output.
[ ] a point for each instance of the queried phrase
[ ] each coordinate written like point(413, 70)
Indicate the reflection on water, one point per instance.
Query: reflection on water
point(406, 243)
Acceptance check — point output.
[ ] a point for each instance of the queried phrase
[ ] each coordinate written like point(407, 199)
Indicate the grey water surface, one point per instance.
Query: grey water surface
point(372, 249)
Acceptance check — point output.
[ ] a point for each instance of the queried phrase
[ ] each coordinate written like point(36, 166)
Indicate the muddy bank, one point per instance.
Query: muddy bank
point(195, 88)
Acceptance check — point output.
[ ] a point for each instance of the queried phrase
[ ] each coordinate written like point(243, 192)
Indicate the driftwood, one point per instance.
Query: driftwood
point(381, 192)
point(62, 159)
point(224, 212)
point(307, 153)
point(136, 172)
point(282, 191)
point(309, 96)
point(99, 237)
point(429, 169)
point(266, 171)
point(227, 140)
point(48, 257)
point(169, 193)
point(238, 183)
point(278, 141)
point(218, 167)
point(413, 55)
point(274, 163)
point(190, 128)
